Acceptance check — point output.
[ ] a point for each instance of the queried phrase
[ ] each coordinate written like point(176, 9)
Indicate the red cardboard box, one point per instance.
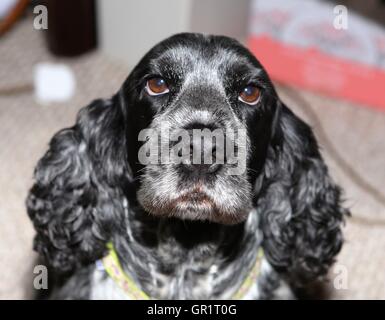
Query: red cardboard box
point(298, 44)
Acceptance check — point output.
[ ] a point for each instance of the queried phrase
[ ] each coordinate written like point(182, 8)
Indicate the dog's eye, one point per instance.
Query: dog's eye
point(156, 86)
point(250, 95)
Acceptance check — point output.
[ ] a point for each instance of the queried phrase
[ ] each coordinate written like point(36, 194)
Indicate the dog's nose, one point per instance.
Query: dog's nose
point(204, 156)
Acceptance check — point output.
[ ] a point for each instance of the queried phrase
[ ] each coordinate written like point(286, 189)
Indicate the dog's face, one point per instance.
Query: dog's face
point(192, 84)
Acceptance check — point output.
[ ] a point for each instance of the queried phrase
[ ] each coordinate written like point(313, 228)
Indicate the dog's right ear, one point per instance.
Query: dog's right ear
point(301, 208)
point(77, 198)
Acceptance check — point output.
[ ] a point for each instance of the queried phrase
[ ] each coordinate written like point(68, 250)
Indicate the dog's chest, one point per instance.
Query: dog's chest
point(192, 263)
point(192, 278)
point(187, 282)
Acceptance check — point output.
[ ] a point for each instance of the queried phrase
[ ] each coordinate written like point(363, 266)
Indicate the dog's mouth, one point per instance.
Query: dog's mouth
point(196, 195)
point(196, 204)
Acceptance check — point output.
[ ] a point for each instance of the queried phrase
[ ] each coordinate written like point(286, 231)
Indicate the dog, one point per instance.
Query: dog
point(109, 226)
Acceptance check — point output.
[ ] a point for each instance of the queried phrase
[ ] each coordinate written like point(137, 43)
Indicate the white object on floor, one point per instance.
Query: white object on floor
point(53, 82)
point(6, 6)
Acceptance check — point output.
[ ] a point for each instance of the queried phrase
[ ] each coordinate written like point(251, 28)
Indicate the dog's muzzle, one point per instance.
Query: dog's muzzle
point(195, 169)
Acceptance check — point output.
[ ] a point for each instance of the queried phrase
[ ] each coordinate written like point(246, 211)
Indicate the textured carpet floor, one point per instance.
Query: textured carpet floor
point(356, 133)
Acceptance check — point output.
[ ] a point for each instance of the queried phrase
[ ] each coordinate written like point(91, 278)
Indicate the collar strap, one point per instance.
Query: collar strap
point(127, 284)
point(114, 269)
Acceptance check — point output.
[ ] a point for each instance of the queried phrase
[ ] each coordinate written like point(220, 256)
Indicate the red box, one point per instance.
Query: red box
point(302, 48)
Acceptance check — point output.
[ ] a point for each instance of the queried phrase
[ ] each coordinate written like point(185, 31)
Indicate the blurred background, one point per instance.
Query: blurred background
point(327, 62)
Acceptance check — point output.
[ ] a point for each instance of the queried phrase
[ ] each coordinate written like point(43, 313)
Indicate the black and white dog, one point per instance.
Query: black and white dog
point(184, 230)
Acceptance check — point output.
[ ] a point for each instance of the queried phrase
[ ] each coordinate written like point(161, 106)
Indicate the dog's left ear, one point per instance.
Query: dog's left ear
point(298, 203)
point(77, 199)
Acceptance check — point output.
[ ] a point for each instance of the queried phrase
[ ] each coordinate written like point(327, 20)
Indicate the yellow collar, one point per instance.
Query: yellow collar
point(112, 266)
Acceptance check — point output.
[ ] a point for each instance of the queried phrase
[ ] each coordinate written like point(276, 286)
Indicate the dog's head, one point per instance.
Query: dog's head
point(197, 131)
point(201, 98)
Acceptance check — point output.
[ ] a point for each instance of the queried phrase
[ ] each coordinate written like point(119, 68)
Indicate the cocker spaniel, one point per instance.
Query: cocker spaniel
point(112, 224)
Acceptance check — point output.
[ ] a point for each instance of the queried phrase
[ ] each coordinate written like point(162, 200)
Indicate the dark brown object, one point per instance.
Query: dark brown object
point(71, 26)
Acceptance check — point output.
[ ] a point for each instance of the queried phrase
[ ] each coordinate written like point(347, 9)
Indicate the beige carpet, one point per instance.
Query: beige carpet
point(357, 134)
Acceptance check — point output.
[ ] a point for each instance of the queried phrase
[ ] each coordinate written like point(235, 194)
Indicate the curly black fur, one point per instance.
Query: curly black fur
point(77, 199)
point(299, 204)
